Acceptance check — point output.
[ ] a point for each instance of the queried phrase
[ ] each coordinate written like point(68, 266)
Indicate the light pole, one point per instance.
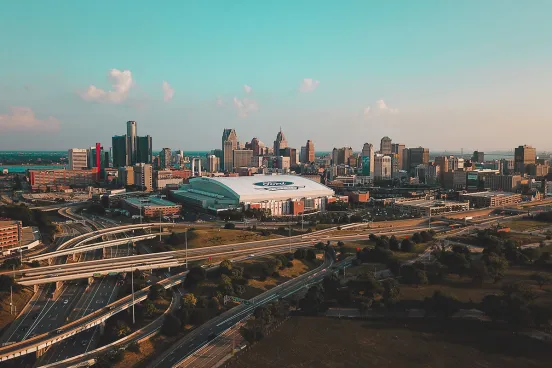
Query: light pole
point(132, 283)
point(11, 292)
point(290, 237)
point(160, 213)
point(186, 242)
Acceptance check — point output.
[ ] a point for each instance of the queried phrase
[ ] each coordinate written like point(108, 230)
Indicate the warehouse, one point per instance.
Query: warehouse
point(429, 207)
point(280, 194)
point(151, 206)
point(491, 199)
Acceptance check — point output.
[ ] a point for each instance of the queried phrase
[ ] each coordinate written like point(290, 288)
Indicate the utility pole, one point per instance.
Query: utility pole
point(160, 213)
point(132, 282)
point(186, 241)
point(302, 220)
point(290, 237)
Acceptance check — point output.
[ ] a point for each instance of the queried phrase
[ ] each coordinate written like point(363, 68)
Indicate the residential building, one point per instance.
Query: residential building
point(386, 146)
point(78, 159)
point(229, 144)
point(165, 158)
point(10, 233)
point(523, 156)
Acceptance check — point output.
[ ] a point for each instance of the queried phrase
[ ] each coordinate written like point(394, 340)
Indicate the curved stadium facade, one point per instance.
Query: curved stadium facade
point(281, 194)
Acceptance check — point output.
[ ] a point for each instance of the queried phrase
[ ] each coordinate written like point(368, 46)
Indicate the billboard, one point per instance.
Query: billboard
point(366, 166)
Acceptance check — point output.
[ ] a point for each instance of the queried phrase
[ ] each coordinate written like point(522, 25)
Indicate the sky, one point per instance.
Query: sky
point(440, 74)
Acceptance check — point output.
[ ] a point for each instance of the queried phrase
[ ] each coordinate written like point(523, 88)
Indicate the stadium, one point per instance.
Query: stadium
point(281, 194)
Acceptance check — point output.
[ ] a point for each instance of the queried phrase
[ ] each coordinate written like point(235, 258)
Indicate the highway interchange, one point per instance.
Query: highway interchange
point(76, 301)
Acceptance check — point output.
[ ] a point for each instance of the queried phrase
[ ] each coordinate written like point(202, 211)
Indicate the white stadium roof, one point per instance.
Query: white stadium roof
point(265, 187)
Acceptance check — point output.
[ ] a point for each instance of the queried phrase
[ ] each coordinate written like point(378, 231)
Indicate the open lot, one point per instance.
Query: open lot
point(200, 238)
point(20, 299)
point(526, 225)
point(329, 343)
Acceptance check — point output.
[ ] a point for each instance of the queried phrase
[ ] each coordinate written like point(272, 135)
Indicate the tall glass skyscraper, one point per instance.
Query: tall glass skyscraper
point(119, 148)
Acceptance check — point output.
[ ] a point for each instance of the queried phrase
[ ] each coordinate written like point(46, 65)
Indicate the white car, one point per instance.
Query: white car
point(65, 301)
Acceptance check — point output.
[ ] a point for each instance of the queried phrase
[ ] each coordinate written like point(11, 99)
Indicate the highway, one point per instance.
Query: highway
point(196, 339)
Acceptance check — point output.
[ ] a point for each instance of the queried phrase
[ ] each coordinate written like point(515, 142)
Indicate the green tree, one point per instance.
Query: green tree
point(496, 266)
point(541, 279)
point(149, 309)
point(407, 245)
point(394, 244)
point(156, 291)
point(6, 282)
point(194, 276)
point(313, 302)
point(121, 329)
point(417, 238)
point(391, 291)
point(226, 267)
point(189, 301)
point(229, 226)
point(442, 304)
point(171, 325)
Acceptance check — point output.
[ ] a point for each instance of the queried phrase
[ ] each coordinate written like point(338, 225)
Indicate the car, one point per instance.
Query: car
point(65, 301)
point(84, 342)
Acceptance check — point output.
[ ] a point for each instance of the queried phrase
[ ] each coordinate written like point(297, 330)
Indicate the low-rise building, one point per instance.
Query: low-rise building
point(10, 233)
point(428, 207)
point(55, 180)
point(150, 206)
point(491, 199)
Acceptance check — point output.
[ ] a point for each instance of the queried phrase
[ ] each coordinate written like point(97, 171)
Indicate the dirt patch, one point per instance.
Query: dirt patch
point(526, 225)
point(147, 352)
point(322, 342)
point(20, 299)
point(200, 238)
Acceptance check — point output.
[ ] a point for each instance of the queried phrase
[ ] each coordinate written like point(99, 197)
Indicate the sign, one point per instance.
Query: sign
point(366, 166)
point(472, 180)
point(277, 185)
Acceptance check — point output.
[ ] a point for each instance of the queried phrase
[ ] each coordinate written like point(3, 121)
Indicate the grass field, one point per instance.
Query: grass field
point(200, 238)
point(464, 290)
point(338, 343)
point(526, 225)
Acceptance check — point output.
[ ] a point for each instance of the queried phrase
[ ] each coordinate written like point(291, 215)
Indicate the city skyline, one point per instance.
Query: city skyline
point(407, 71)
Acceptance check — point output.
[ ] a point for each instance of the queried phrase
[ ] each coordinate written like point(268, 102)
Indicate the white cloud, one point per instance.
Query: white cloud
point(121, 83)
point(382, 106)
point(168, 91)
point(308, 85)
point(245, 106)
point(24, 119)
point(247, 88)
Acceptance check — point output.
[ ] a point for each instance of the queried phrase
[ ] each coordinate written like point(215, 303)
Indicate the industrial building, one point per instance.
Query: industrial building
point(281, 194)
point(150, 206)
point(432, 207)
point(491, 199)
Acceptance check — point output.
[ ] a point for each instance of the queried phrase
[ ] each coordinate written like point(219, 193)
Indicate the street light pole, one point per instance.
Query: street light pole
point(186, 241)
point(132, 282)
point(160, 213)
point(290, 237)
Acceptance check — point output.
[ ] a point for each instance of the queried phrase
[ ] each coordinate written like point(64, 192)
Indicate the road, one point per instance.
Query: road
point(198, 337)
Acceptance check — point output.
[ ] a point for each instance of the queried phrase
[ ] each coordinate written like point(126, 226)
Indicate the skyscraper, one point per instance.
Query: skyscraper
point(310, 151)
point(280, 143)
point(398, 149)
point(367, 159)
point(131, 142)
point(144, 150)
point(165, 157)
point(242, 158)
point(229, 144)
point(385, 146)
point(523, 156)
point(119, 148)
point(257, 146)
point(382, 167)
point(78, 159)
point(416, 156)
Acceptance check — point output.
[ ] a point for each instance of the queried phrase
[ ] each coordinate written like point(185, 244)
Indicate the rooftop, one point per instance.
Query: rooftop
point(8, 223)
point(149, 201)
point(490, 194)
point(431, 203)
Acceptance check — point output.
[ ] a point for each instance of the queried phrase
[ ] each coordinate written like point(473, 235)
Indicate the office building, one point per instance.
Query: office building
point(242, 157)
point(303, 156)
point(537, 170)
point(291, 153)
point(162, 178)
point(491, 199)
point(165, 158)
point(126, 175)
point(478, 156)
point(455, 180)
point(423, 207)
point(280, 143)
point(152, 207)
point(55, 180)
point(382, 167)
point(455, 163)
point(229, 144)
point(131, 142)
point(257, 147)
point(523, 156)
point(310, 155)
point(340, 156)
point(367, 160)
point(507, 166)
point(213, 163)
point(506, 183)
point(386, 146)
point(10, 233)
point(548, 188)
point(119, 151)
point(78, 159)
point(277, 194)
point(398, 149)
point(416, 156)
point(143, 177)
point(144, 150)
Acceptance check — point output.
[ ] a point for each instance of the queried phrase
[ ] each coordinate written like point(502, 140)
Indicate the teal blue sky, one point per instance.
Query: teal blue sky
point(441, 74)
